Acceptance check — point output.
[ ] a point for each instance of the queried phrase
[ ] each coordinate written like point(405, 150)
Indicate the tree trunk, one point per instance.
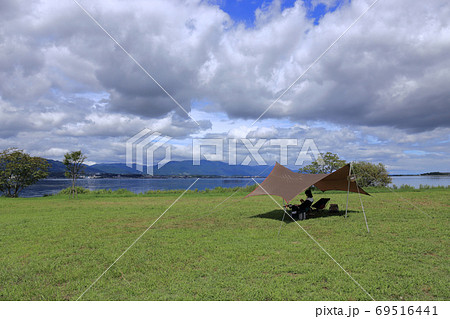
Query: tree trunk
point(16, 190)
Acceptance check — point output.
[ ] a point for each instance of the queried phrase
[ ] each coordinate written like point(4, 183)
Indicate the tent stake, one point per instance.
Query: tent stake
point(348, 188)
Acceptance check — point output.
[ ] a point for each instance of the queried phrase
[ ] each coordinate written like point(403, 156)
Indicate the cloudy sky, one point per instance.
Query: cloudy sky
point(381, 93)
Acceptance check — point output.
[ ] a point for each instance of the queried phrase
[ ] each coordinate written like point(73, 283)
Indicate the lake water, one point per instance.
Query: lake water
point(416, 181)
point(135, 185)
point(138, 185)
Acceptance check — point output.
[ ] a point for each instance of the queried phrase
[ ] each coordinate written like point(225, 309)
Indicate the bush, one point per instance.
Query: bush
point(102, 191)
point(406, 187)
point(368, 174)
point(249, 188)
point(79, 190)
point(123, 191)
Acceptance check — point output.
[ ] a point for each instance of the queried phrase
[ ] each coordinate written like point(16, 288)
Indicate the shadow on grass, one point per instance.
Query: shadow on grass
point(277, 214)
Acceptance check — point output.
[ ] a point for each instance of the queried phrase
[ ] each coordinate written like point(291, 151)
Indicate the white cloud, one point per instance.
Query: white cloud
point(53, 152)
point(263, 132)
point(380, 90)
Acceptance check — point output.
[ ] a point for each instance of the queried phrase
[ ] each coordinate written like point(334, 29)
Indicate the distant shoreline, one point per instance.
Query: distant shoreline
point(103, 176)
point(118, 176)
point(423, 174)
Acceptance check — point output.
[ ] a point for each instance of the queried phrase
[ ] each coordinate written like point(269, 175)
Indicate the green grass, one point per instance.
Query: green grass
point(53, 248)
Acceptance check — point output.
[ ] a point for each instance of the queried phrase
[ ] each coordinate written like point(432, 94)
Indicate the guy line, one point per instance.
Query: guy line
point(315, 61)
point(213, 210)
point(137, 239)
point(178, 104)
point(315, 241)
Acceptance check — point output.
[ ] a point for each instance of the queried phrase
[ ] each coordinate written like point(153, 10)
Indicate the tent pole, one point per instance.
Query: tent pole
point(348, 188)
point(282, 220)
point(362, 206)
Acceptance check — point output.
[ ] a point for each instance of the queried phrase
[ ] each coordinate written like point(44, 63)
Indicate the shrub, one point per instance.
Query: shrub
point(406, 187)
point(368, 174)
point(79, 190)
point(123, 191)
point(102, 191)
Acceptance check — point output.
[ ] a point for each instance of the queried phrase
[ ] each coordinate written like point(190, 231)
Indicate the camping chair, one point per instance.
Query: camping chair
point(321, 203)
point(306, 208)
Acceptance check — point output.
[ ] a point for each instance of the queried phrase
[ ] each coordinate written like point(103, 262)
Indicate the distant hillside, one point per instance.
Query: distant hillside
point(116, 168)
point(174, 168)
point(210, 168)
point(435, 173)
point(57, 169)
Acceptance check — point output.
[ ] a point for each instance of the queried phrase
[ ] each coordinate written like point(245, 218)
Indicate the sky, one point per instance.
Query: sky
point(379, 94)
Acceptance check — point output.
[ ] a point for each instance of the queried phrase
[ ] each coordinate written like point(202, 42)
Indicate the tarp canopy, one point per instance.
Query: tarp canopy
point(338, 180)
point(287, 184)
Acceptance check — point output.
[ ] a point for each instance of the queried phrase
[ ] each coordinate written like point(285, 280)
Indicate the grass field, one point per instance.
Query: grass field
point(53, 248)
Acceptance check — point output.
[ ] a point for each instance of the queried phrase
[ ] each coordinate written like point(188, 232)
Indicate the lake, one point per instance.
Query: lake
point(135, 185)
point(140, 185)
point(416, 181)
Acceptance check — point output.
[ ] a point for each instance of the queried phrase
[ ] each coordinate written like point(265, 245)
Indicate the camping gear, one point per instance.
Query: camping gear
point(287, 184)
point(334, 208)
point(321, 203)
point(301, 210)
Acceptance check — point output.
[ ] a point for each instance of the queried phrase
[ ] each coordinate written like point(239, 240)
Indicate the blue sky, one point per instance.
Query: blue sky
point(380, 94)
point(244, 11)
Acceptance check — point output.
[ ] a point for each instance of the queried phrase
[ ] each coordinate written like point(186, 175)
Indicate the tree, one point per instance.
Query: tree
point(329, 163)
point(368, 174)
point(19, 170)
point(74, 168)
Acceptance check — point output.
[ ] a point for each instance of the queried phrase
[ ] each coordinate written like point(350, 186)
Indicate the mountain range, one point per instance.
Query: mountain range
point(173, 168)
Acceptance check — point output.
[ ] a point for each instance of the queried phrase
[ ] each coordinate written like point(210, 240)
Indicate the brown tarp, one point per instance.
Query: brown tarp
point(285, 183)
point(338, 180)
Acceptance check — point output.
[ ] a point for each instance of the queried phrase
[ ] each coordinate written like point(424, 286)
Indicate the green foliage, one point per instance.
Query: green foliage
point(212, 247)
point(327, 164)
point(407, 187)
point(102, 192)
point(121, 192)
point(216, 190)
point(221, 190)
point(74, 167)
point(368, 174)
point(240, 191)
point(79, 190)
point(19, 170)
